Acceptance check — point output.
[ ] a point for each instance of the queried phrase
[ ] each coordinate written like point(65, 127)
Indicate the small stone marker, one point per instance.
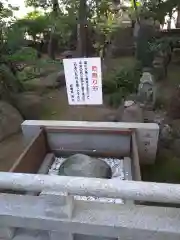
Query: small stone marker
point(147, 90)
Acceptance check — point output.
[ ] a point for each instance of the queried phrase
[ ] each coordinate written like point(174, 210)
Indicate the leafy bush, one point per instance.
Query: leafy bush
point(39, 68)
point(28, 73)
point(25, 54)
point(115, 99)
point(123, 83)
point(8, 81)
point(13, 39)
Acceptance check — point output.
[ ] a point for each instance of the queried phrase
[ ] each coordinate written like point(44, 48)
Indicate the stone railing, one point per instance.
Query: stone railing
point(51, 216)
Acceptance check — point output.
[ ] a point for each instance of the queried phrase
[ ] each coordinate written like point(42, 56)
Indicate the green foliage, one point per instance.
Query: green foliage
point(123, 83)
point(164, 44)
point(8, 82)
point(115, 99)
point(38, 3)
point(34, 24)
point(153, 8)
point(106, 25)
point(159, 45)
point(13, 39)
point(158, 9)
point(6, 75)
point(10, 40)
point(63, 26)
point(6, 12)
point(40, 68)
point(39, 26)
point(28, 73)
point(25, 55)
point(8, 36)
point(34, 14)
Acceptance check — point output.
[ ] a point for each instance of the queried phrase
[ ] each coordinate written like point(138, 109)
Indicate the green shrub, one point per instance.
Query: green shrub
point(39, 68)
point(28, 73)
point(25, 54)
point(115, 99)
point(8, 82)
point(123, 83)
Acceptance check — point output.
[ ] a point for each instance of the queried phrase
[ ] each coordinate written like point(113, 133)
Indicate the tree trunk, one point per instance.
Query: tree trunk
point(169, 23)
point(51, 48)
point(55, 7)
point(82, 30)
point(97, 8)
point(53, 40)
point(135, 4)
point(178, 17)
point(136, 11)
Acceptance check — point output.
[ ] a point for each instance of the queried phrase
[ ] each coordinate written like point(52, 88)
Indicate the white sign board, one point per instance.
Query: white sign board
point(83, 81)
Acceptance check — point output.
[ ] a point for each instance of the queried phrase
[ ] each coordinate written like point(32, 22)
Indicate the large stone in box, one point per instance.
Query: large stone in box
point(80, 165)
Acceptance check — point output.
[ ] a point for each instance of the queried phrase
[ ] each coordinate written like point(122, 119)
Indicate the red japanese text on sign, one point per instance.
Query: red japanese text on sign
point(94, 78)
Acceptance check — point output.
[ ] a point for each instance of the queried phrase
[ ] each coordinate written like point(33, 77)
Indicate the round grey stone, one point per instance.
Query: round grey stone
point(80, 165)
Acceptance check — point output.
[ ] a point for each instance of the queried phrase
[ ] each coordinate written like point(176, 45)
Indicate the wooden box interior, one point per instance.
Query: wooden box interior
point(33, 156)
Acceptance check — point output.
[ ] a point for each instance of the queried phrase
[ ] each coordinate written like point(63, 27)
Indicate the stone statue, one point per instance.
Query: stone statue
point(80, 165)
point(147, 90)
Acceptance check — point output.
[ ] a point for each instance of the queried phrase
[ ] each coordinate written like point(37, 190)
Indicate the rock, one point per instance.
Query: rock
point(30, 105)
point(166, 131)
point(154, 116)
point(165, 136)
point(159, 68)
point(132, 97)
point(174, 106)
point(10, 120)
point(68, 54)
point(148, 116)
point(84, 166)
point(110, 118)
point(176, 147)
point(132, 112)
point(52, 81)
point(119, 113)
point(176, 128)
point(160, 117)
